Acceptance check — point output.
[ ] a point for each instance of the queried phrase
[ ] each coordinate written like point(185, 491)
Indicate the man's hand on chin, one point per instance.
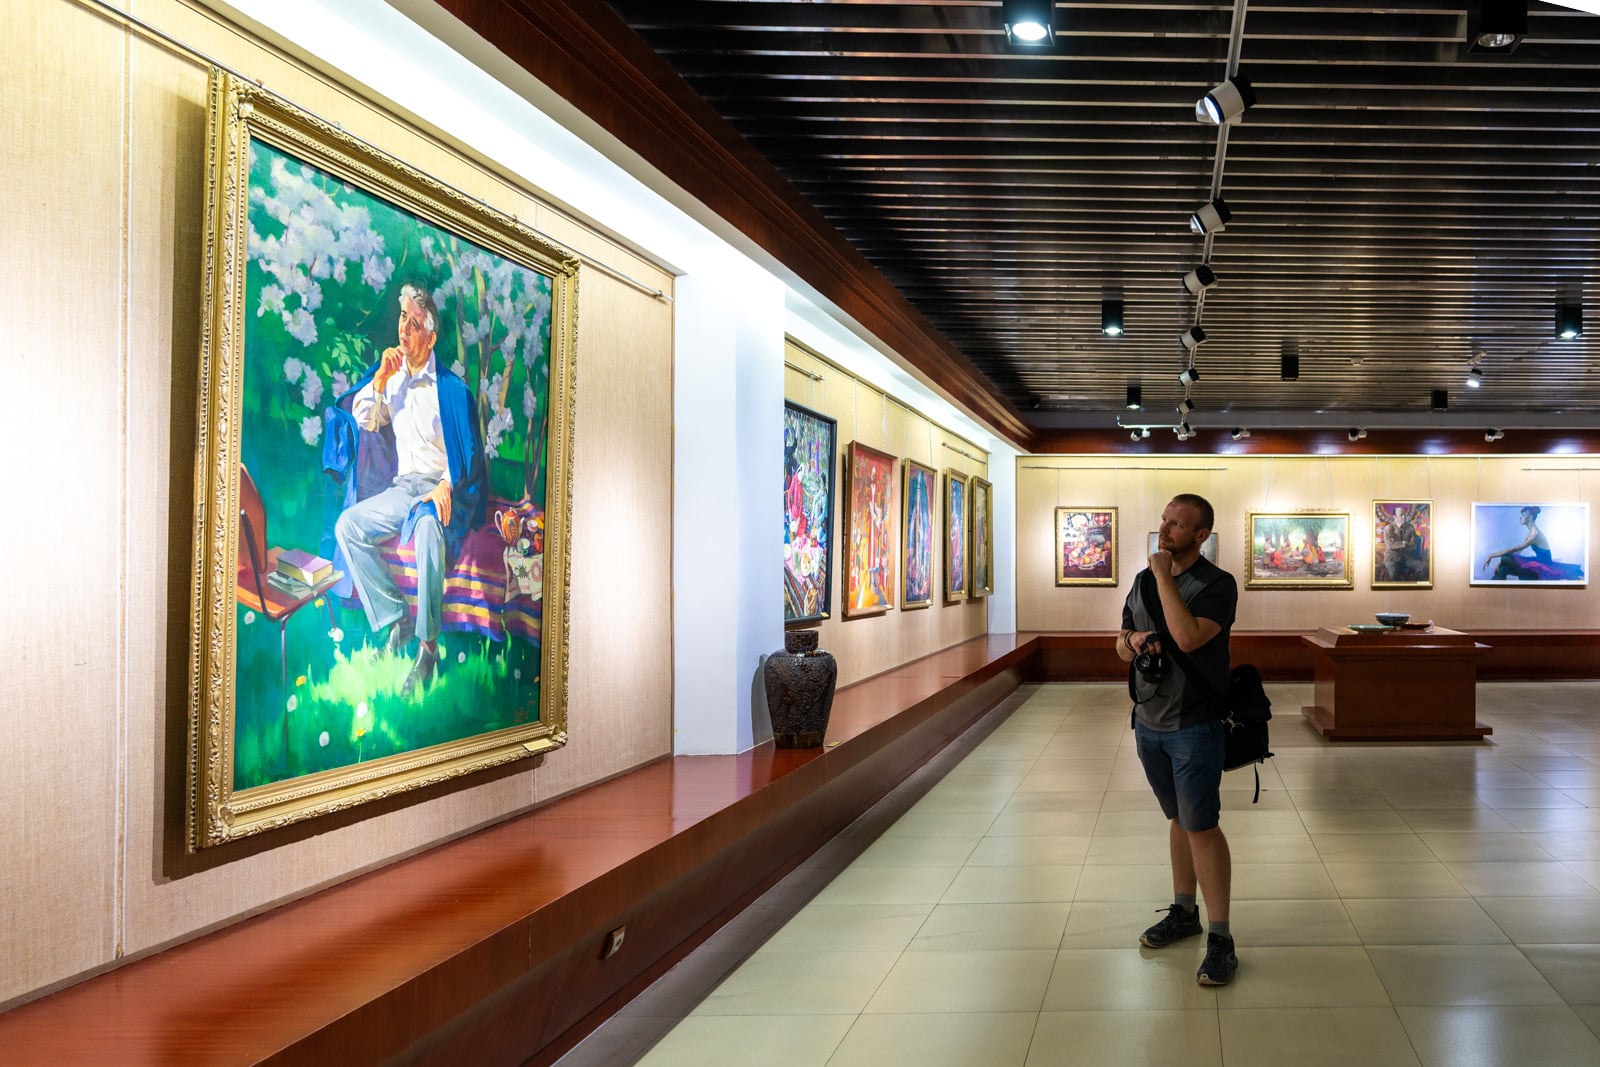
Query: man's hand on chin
point(440, 495)
point(1161, 561)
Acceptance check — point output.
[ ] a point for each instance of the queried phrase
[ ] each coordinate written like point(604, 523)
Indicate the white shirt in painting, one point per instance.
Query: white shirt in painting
point(410, 403)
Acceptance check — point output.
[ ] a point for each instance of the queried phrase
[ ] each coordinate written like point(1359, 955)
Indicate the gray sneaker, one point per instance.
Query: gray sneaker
point(1220, 962)
point(1178, 925)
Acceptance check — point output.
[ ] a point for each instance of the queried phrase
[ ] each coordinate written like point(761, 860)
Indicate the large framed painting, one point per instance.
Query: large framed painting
point(1298, 550)
point(916, 530)
point(1086, 546)
point(383, 498)
point(956, 556)
point(809, 443)
point(1530, 544)
point(982, 540)
point(1402, 544)
point(869, 536)
point(1208, 547)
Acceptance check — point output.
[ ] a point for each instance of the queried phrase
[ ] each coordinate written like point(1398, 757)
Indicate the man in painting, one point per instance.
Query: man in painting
point(1181, 610)
point(425, 415)
point(1400, 545)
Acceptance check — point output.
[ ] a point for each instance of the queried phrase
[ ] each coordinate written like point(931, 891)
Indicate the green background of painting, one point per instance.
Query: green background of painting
point(482, 685)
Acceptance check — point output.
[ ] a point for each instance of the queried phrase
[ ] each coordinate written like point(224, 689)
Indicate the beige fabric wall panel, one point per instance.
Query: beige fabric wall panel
point(1140, 487)
point(61, 534)
point(93, 772)
point(870, 645)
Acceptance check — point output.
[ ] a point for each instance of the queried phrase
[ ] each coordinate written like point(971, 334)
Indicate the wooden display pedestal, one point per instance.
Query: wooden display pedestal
point(1399, 685)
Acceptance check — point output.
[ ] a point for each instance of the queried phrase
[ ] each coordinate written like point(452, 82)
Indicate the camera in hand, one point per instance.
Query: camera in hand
point(1152, 666)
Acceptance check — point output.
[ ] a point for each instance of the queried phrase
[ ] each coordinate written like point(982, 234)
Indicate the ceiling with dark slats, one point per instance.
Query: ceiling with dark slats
point(1397, 205)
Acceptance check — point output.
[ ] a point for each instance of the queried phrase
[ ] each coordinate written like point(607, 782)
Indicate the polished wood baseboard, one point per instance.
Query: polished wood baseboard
point(488, 949)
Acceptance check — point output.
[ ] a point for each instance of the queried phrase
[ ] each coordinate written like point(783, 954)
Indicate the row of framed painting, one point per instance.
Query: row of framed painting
point(1520, 544)
point(877, 497)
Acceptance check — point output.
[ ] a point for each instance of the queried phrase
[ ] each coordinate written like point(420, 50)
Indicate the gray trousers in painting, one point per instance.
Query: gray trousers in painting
point(365, 525)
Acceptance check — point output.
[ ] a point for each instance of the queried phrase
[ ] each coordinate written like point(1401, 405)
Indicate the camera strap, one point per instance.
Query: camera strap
point(1152, 606)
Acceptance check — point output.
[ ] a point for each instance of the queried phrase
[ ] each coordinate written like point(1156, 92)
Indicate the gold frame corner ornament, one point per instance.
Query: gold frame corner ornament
point(215, 813)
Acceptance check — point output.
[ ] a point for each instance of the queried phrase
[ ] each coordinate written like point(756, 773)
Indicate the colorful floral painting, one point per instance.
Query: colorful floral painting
point(982, 537)
point(1086, 546)
point(1208, 547)
point(955, 536)
point(809, 443)
point(1530, 544)
point(916, 571)
point(869, 531)
point(1298, 550)
point(1402, 544)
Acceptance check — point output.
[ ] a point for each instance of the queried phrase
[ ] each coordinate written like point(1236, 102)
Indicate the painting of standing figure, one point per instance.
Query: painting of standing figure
point(916, 577)
point(1530, 544)
point(1402, 544)
point(955, 536)
point(382, 518)
point(982, 537)
point(869, 531)
point(808, 448)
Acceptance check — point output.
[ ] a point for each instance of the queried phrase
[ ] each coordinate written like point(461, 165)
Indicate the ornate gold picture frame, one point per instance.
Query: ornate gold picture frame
point(1299, 549)
point(381, 592)
point(982, 540)
point(1086, 546)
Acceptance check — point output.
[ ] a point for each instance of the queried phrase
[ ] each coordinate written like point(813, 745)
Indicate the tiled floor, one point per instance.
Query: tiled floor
point(1393, 904)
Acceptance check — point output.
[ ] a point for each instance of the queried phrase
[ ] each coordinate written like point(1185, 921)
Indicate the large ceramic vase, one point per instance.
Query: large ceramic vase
point(799, 682)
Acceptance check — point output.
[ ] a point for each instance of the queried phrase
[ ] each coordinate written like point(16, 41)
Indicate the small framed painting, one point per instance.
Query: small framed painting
point(916, 531)
point(955, 536)
point(1402, 544)
point(809, 442)
point(1530, 544)
point(869, 531)
point(1298, 550)
point(1208, 548)
point(1086, 546)
point(982, 539)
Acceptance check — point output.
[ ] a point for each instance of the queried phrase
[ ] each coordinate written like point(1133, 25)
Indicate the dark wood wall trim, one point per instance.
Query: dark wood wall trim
point(587, 53)
point(1451, 441)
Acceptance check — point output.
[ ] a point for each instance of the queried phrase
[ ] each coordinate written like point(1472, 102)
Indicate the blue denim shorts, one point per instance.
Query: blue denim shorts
point(1185, 770)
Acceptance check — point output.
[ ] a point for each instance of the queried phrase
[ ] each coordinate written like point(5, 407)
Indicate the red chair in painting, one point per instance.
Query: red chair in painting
point(257, 561)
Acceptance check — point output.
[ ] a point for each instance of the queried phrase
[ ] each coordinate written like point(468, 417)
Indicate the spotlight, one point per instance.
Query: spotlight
point(1569, 321)
point(1238, 433)
point(1475, 378)
point(1135, 435)
point(1192, 338)
point(1185, 431)
point(1289, 361)
point(1440, 401)
point(1185, 407)
point(1199, 279)
point(1111, 318)
point(1211, 218)
point(1493, 434)
point(1134, 401)
point(1496, 26)
point(1188, 376)
point(1357, 433)
point(1029, 23)
point(1226, 102)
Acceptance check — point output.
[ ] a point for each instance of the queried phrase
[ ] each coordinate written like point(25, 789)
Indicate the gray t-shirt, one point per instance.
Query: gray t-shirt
point(1178, 700)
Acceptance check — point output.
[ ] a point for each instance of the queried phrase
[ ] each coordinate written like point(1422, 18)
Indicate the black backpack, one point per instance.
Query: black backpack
point(1248, 712)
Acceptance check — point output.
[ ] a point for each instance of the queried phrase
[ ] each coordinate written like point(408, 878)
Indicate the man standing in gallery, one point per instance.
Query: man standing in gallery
point(436, 496)
point(1175, 626)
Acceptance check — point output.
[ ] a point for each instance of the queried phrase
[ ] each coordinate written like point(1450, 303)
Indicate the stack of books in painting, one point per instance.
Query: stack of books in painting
point(299, 572)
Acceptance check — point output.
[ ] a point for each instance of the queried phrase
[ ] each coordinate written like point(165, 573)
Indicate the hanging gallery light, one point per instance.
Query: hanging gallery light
point(1475, 378)
point(1496, 27)
point(1199, 279)
point(1192, 338)
point(1211, 218)
point(1135, 403)
point(1569, 321)
point(1494, 433)
point(1111, 318)
point(1189, 375)
point(1440, 400)
point(1185, 406)
point(1239, 433)
point(1226, 102)
point(1357, 433)
point(1289, 361)
point(1030, 23)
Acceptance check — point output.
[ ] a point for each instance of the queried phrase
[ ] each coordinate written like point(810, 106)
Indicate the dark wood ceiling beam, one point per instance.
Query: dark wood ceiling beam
point(585, 52)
